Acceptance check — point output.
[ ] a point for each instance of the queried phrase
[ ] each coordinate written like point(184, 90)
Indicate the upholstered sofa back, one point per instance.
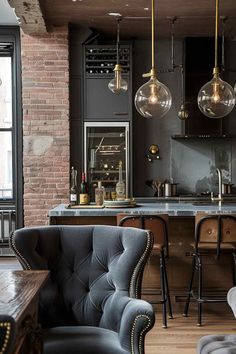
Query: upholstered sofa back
point(91, 269)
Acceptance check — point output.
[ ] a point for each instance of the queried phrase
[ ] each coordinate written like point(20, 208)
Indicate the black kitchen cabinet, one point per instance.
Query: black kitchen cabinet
point(99, 102)
point(199, 61)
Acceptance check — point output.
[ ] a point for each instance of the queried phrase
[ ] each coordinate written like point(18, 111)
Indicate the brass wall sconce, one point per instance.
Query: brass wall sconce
point(153, 153)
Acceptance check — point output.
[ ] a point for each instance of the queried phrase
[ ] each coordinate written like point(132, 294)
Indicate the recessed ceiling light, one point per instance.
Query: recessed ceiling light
point(114, 14)
point(146, 8)
point(126, 4)
point(74, 0)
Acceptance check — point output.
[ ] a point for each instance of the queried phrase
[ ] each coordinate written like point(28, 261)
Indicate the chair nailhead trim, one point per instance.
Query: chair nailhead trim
point(140, 262)
point(7, 325)
point(141, 333)
point(18, 254)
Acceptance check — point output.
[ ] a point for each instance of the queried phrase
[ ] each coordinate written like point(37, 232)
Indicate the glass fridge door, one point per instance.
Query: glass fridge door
point(105, 144)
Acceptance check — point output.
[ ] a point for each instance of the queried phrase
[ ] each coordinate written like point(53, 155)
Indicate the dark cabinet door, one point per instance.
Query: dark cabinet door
point(198, 72)
point(100, 103)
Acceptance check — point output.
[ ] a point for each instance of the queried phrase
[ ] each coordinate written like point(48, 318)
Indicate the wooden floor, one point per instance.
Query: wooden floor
point(182, 334)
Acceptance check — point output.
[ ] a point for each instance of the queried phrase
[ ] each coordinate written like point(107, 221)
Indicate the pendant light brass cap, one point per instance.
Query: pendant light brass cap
point(216, 71)
point(118, 67)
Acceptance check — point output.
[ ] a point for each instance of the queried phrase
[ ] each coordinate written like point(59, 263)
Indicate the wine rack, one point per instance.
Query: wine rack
point(101, 60)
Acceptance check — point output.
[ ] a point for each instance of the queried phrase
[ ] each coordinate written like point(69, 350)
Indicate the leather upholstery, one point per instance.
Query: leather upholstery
point(215, 232)
point(95, 274)
point(7, 334)
point(155, 225)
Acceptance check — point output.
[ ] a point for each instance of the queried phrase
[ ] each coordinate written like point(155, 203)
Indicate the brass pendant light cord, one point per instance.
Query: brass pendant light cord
point(118, 42)
point(153, 34)
point(216, 33)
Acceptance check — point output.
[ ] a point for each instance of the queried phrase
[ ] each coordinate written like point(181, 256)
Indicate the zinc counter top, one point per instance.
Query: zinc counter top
point(181, 208)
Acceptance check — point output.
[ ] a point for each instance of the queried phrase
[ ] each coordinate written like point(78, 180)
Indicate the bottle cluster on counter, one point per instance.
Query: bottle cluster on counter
point(82, 195)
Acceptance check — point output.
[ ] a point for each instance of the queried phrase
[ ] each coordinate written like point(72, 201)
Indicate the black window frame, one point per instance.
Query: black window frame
point(11, 35)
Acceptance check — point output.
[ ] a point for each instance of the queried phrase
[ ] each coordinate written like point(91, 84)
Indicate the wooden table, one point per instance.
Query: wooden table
point(19, 292)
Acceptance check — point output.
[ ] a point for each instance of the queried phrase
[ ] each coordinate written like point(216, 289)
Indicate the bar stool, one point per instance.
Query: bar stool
point(158, 225)
point(214, 234)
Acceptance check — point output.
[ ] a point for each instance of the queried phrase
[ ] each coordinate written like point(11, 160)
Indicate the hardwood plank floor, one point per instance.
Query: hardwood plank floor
point(182, 334)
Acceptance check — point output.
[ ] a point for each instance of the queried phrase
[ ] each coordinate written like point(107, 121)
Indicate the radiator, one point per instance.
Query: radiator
point(7, 225)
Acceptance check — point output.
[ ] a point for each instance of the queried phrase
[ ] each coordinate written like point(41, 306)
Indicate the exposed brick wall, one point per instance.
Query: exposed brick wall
point(45, 93)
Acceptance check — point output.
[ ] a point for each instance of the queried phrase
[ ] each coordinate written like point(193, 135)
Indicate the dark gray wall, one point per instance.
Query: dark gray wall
point(194, 163)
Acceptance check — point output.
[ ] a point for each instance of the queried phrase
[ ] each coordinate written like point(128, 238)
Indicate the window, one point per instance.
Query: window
point(6, 185)
point(11, 179)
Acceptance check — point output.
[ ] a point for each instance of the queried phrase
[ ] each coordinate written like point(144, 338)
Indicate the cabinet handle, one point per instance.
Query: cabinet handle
point(120, 113)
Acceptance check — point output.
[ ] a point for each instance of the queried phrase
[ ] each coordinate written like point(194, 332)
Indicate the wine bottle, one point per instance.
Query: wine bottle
point(84, 191)
point(120, 185)
point(99, 194)
point(73, 187)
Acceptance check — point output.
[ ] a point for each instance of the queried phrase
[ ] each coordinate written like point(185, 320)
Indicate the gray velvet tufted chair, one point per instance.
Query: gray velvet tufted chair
point(90, 304)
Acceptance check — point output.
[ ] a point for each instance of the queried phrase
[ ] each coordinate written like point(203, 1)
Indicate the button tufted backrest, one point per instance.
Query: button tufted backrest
point(92, 268)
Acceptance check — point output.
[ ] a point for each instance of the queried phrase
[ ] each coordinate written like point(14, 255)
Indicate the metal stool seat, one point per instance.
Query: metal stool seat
point(158, 225)
point(214, 234)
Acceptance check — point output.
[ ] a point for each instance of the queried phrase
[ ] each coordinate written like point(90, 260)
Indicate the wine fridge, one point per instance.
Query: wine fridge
point(105, 145)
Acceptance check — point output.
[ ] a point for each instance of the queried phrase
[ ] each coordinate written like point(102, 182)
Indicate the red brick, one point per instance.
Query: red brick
point(45, 94)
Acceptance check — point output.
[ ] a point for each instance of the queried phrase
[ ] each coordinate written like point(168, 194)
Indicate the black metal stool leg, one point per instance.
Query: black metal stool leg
point(185, 314)
point(167, 287)
point(163, 291)
point(199, 299)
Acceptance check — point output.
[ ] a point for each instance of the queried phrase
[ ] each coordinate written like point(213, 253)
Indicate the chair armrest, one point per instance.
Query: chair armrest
point(137, 319)
point(231, 298)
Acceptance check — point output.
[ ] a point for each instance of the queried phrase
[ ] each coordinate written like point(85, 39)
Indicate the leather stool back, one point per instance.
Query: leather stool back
point(215, 233)
point(157, 224)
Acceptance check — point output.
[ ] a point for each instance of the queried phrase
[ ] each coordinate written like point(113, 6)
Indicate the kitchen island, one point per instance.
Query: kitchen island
point(181, 235)
point(172, 208)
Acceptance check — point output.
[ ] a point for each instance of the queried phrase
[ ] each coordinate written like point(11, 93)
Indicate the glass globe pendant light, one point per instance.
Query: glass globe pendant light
point(118, 84)
point(216, 98)
point(153, 99)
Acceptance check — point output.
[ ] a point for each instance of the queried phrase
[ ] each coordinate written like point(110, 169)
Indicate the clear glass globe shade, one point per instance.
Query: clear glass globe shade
point(153, 99)
point(216, 98)
point(235, 88)
point(118, 84)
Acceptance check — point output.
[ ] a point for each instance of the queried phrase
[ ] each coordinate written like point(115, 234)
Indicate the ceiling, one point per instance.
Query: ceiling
point(194, 18)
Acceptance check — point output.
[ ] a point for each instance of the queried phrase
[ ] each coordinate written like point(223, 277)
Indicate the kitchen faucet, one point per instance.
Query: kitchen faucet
point(219, 198)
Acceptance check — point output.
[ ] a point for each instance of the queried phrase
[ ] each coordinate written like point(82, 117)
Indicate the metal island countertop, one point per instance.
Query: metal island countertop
point(154, 206)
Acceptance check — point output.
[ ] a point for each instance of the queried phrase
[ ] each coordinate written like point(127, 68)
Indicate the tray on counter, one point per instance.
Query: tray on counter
point(87, 206)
